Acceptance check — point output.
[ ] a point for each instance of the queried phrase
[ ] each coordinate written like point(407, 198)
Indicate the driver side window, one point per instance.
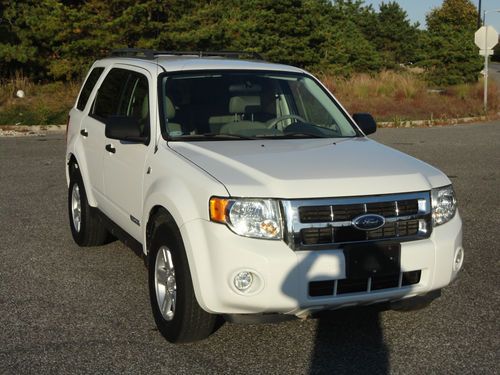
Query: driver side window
point(135, 102)
point(124, 93)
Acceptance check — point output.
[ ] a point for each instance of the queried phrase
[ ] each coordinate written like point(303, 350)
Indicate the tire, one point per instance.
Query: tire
point(87, 228)
point(177, 314)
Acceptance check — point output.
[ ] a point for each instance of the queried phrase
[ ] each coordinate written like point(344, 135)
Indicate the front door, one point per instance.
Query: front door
point(124, 162)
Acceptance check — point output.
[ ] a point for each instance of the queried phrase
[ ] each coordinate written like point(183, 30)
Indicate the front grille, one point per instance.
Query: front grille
point(320, 223)
point(347, 286)
point(326, 214)
point(404, 228)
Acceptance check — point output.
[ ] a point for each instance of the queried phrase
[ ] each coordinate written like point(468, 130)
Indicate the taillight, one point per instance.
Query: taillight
point(67, 127)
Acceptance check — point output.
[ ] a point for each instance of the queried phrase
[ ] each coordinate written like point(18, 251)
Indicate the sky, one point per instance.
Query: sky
point(417, 9)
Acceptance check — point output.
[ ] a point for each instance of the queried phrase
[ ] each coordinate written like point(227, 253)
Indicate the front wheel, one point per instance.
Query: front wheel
point(176, 311)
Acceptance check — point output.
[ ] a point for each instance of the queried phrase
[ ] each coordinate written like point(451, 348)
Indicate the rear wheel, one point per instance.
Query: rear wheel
point(176, 311)
point(86, 227)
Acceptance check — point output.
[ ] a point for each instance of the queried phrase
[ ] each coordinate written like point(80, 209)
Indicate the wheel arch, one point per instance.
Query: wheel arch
point(74, 161)
point(149, 228)
point(178, 199)
point(174, 224)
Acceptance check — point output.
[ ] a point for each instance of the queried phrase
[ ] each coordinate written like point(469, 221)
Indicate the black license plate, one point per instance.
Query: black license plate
point(370, 260)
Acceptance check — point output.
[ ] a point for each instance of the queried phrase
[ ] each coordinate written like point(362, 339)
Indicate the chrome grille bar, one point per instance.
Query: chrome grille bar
point(407, 218)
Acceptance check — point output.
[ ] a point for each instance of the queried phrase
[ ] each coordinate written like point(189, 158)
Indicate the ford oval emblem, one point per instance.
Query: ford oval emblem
point(368, 222)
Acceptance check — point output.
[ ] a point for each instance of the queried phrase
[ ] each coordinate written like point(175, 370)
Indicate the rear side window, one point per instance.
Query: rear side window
point(88, 87)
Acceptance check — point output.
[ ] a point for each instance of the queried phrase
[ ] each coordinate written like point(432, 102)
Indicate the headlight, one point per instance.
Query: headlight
point(444, 205)
point(257, 218)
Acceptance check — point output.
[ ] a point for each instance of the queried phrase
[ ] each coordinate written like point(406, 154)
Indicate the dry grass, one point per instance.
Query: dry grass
point(43, 104)
point(400, 96)
point(389, 96)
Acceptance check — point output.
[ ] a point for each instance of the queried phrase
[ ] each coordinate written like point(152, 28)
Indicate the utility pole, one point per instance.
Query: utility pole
point(486, 74)
point(479, 22)
point(486, 38)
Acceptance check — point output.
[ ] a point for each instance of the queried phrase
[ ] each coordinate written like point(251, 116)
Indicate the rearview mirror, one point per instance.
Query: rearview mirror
point(366, 122)
point(124, 128)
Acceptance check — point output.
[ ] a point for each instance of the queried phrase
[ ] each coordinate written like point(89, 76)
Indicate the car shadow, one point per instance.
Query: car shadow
point(350, 341)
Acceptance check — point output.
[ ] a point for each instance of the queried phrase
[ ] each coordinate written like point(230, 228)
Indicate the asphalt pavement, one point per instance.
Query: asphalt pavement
point(494, 72)
point(65, 310)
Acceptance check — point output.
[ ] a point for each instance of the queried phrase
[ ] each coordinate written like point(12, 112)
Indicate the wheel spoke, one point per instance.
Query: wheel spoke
point(76, 210)
point(165, 283)
point(166, 305)
point(169, 262)
point(173, 299)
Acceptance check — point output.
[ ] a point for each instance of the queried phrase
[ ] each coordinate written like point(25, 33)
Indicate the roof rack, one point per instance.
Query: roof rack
point(133, 52)
point(150, 54)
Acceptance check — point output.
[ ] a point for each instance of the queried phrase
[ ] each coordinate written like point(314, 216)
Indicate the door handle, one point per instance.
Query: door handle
point(110, 148)
point(84, 132)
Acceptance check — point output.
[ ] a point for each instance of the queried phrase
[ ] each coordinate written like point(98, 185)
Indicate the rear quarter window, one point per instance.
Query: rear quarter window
point(88, 87)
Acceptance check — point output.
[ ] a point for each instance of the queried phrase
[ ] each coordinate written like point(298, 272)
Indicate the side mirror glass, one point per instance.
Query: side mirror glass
point(366, 122)
point(124, 128)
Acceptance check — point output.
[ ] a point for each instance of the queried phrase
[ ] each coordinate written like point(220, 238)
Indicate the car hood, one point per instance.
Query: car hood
point(310, 168)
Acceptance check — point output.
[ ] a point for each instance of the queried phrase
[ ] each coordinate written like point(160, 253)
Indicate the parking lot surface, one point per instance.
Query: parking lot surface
point(64, 309)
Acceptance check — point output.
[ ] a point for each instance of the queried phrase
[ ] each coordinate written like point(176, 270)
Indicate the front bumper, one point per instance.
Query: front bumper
point(282, 280)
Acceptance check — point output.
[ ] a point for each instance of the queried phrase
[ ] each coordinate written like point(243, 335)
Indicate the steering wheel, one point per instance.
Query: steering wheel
point(276, 121)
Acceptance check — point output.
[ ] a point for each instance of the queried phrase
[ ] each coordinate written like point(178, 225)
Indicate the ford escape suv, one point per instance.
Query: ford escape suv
point(251, 191)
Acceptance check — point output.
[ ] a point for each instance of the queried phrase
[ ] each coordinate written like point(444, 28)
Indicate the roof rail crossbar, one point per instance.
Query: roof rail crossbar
point(151, 54)
point(133, 52)
point(233, 54)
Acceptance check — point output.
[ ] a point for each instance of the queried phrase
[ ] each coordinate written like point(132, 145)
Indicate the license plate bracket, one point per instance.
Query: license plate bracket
point(371, 260)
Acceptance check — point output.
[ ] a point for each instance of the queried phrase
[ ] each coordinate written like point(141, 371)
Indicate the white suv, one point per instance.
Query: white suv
point(251, 192)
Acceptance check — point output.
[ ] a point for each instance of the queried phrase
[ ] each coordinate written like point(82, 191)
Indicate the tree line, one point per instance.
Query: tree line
point(58, 39)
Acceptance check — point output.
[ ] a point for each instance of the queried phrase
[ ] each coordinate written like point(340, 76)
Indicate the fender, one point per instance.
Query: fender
point(179, 199)
point(184, 191)
point(166, 193)
point(179, 186)
point(78, 153)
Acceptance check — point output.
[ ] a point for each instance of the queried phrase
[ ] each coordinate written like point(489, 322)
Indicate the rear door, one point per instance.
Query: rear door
point(91, 132)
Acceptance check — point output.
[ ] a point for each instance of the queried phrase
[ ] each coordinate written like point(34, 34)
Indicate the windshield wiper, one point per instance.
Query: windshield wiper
point(296, 134)
point(227, 135)
point(206, 136)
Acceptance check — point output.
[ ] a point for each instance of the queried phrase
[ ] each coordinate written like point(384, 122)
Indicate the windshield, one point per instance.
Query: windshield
point(249, 105)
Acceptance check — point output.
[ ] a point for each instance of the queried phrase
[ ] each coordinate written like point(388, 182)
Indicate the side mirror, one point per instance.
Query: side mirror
point(124, 128)
point(366, 122)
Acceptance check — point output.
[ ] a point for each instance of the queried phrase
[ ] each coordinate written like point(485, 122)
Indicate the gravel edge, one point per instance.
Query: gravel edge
point(40, 130)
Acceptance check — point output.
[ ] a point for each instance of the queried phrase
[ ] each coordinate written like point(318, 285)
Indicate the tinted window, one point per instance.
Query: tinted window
point(249, 104)
point(135, 100)
point(110, 93)
point(88, 87)
point(124, 93)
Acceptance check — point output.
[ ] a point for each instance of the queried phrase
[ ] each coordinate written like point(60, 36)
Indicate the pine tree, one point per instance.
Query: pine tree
point(451, 55)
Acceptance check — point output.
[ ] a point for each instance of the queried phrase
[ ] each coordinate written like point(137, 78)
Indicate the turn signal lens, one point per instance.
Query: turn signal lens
point(218, 209)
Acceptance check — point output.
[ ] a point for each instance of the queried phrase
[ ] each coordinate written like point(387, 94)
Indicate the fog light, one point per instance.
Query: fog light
point(243, 280)
point(459, 259)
